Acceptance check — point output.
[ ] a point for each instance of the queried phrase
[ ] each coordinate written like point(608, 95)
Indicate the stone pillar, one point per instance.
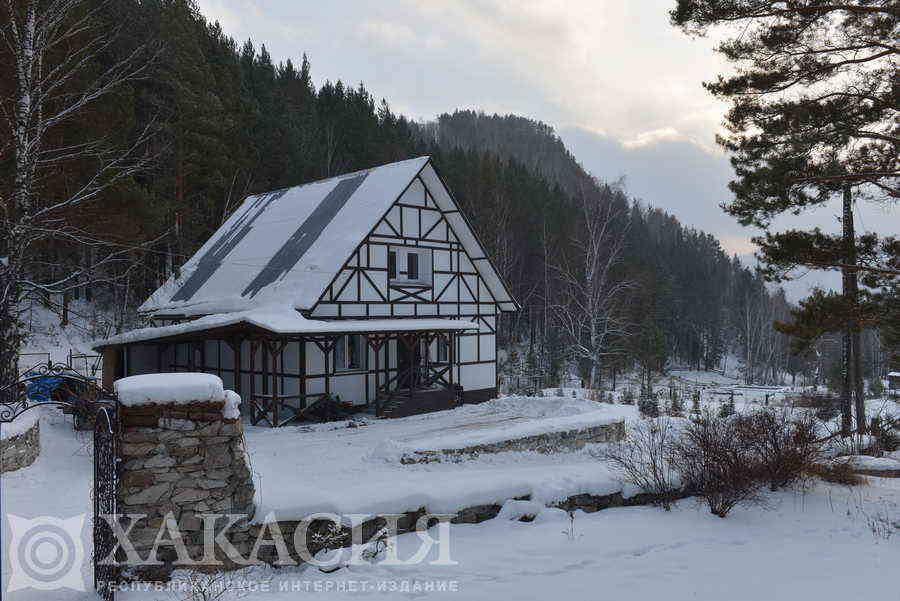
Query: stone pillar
point(20, 444)
point(186, 459)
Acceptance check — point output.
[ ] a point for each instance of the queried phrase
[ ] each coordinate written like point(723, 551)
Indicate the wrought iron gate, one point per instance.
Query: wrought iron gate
point(81, 396)
point(106, 483)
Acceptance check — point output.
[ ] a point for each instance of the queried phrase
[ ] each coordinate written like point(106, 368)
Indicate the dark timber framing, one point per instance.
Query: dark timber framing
point(264, 367)
point(278, 376)
point(460, 294)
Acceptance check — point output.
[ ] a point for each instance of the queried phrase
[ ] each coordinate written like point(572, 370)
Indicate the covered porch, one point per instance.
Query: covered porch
point(283, 363)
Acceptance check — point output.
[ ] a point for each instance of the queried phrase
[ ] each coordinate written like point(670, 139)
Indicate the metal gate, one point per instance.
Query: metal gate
point(49, 384)
point(106, 483)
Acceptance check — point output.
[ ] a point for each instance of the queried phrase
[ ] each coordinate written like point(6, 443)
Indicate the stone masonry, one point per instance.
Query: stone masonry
point(183, 459)
point(550, 442)
point(21, 450)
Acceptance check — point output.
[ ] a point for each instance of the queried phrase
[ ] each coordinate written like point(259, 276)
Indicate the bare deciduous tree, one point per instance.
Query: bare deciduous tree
point(591, 293)
point(54, 49)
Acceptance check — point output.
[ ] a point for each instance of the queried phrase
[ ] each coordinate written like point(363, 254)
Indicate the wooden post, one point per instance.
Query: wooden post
point(253, 416)
point(236, 352)
point(274, 401)
point(302, 371)
point(413, 368)
point(326, 350)
point(110, 365)
point(377, 398)
point(450, 358)
point(375, 343)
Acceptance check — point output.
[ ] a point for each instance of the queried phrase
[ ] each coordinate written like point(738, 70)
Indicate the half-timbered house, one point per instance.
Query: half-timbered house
point(370, 287)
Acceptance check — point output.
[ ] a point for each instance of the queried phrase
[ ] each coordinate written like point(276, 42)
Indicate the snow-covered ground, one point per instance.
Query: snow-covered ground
point(48, 339)
point(817, 545)
point(784, 552)
point(357, 469)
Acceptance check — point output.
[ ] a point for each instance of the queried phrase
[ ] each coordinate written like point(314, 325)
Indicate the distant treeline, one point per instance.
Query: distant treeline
point(229, 121)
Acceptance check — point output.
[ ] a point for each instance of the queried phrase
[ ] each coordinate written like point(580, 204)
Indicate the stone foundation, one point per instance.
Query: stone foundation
point(550, 442)
point(22, 449)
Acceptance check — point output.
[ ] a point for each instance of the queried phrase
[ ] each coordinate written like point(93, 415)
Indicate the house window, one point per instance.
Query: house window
point(409, 265)
point(412, 266)
point(392, 264)
point(443, 350)
point(348, 353)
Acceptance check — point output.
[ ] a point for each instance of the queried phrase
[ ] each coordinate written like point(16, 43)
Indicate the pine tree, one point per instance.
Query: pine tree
point(812, 119)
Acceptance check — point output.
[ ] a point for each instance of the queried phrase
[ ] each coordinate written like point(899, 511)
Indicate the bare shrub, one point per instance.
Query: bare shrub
point(837, 472)
point(714, 461)
point(784, 444)
point(211, 586)
point(886, 430)
point(642, 458)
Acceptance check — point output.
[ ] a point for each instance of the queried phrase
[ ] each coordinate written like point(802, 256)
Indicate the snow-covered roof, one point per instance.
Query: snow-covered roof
point(286, 246)
point(286, 321)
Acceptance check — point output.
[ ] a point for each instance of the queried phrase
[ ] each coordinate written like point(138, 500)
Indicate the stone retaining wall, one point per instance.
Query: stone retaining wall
point(185, 460)
point(550, 442)
point(22, 449)
point(319, 529)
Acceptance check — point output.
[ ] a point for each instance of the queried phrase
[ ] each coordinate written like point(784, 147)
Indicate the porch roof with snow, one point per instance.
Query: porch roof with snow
point(277, 322)
point(286, 246)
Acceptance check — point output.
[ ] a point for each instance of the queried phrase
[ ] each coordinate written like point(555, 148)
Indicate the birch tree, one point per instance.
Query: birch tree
point(55, 49)
point(590, 289)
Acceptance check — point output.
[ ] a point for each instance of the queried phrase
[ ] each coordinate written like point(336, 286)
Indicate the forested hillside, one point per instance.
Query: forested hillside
point(227, 121)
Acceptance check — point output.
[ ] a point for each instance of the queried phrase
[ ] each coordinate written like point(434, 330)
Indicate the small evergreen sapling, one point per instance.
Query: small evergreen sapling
point(676, 408)
point(648, 406)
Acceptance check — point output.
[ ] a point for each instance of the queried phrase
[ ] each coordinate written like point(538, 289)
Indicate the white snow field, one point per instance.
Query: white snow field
point(828, 543)
point(815, 546)
point(332, 467)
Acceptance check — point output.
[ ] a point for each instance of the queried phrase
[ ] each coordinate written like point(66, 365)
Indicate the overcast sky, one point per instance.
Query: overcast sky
point(620, 85)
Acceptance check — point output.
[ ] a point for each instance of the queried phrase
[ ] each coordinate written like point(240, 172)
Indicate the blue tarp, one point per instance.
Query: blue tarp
point(40, 389)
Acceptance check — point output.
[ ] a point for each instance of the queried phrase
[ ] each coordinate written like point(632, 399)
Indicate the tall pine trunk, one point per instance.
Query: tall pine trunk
point(852, 290)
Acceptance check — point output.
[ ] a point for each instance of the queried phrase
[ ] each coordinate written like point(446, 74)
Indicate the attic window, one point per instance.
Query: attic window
point(409, 266)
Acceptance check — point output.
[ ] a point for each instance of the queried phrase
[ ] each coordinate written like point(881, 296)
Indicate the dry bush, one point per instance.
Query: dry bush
point(642, 458)
point(714, 461)
point(783, 443)
point(886, 430)
point(837, 472)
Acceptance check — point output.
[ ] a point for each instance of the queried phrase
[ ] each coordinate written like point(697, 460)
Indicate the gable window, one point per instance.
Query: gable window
point(409, 266)
point(348, 352)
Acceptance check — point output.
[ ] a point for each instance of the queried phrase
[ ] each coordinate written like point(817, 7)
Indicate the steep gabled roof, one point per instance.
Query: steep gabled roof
point(285, 247)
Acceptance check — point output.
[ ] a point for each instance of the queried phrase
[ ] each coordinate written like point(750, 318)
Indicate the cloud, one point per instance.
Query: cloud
point(396, 34)
point(652, 137)
point(620, 84)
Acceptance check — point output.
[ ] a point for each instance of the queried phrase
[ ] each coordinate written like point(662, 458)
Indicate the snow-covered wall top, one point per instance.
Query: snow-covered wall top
point(21, 424)
point(170, 388)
